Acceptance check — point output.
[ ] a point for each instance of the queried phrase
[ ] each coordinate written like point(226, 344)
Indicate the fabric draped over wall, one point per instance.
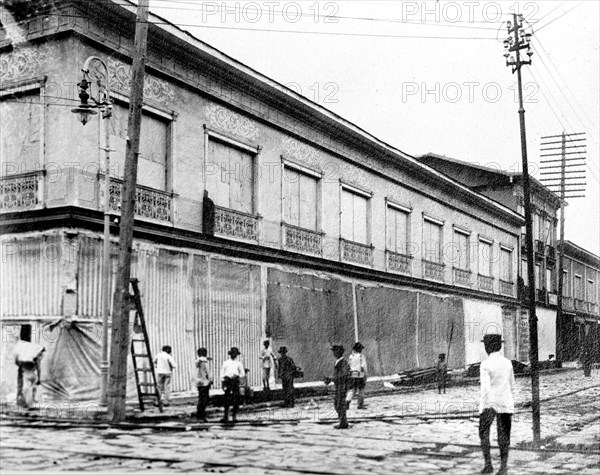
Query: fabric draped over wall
point(308, 314)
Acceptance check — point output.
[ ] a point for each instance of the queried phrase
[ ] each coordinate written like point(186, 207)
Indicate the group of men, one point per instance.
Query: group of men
point(349, 376)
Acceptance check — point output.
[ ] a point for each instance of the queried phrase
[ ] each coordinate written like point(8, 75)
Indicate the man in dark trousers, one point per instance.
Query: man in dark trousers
point(341, 379)
point(497, 383)
point(287, 369)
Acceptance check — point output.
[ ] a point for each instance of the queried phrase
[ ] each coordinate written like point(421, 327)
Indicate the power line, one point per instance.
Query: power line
point(559, 17)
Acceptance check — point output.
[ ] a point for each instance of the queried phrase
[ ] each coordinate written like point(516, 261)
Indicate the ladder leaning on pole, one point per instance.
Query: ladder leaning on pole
point(143, 364)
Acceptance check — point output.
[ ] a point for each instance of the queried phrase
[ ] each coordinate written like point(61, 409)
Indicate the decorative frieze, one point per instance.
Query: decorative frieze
point(232, 122)
point(21, 63)
point(302, 240)
point(397, 262)
point(355, 252)
point(433, 270)
point(154, 89)
point(229, 222)
point(300, 151)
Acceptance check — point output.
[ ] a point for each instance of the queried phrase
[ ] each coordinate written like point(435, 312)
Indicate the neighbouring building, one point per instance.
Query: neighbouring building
point(507, 188)
point(322, 233)
point(581, 291)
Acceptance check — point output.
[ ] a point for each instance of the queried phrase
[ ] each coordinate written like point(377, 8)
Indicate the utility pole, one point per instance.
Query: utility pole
point(514, 44)
point(563, 182)
point(121, 303)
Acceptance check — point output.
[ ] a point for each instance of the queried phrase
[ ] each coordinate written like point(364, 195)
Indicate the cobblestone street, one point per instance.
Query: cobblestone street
point(417, 433)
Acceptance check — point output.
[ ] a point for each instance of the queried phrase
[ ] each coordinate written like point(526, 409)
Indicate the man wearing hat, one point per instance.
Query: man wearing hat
point(358, 375)
point(287, 369)
point(497, 383)
point(341, 376)
point(231, 373)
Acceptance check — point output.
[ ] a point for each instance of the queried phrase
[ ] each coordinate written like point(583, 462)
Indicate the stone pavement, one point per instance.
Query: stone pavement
point(416, 433)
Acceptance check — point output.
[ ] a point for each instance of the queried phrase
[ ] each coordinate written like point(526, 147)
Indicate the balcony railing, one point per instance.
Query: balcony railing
point(358, 253)
point(550, 257)
point(542, 296)
point(592, 307)
point(433, 270)
point(229, 222)
point(539, 248)
point(302, 240)
point(461, 276)
point(485, 283)
point(579, 304)
point(150, 203)
point(397, 262)
point(21, 192)
point(567, 302)
point(507, 288)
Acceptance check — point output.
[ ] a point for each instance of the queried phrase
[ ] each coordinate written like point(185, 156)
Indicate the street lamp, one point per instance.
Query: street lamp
point(95, 72)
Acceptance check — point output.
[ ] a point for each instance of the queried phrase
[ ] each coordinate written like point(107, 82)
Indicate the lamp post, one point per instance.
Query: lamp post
point(95, 72)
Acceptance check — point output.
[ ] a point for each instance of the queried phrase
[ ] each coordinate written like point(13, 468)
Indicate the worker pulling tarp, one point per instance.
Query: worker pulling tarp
point(70, 368)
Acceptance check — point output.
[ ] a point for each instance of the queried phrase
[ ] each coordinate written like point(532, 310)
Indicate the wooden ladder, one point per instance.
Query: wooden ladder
point(143, 364)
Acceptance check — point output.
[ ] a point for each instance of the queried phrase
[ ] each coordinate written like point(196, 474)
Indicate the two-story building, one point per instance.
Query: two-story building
point(507, 188)
point(322, 234)
point(581, 291)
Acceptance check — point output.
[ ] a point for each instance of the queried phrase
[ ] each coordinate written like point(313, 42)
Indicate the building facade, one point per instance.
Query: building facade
point(581, 291)
point(507, 188)
point(322, 233)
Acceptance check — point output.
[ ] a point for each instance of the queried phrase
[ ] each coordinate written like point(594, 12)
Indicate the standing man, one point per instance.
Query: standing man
point(231, 374)
point(267, 358)
point(341, 377)
point(497, 384)
point(204, 380)
point(441, 373)
point(358, 375)
point(28, 358)
point(586, 356)
point(287, 370)
point(165, 364)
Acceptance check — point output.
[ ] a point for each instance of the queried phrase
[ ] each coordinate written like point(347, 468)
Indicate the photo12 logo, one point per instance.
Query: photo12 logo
point(270, 12)
point(472, 91)
point(472, 12)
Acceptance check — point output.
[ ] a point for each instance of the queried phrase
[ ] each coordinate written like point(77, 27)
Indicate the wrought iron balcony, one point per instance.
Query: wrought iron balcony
point(579, 304)
point(485, 283)
point(461, 276)
point(433, 270)
point(231, 223)
point(567, 302)
point(592, 307)
point(550, 257)
point(302, 240)
point(539, 248)
point(358, 253)
point(542, 296)
point(507, 288)
point(400, 263)
point(150, 203)
point(21, 192)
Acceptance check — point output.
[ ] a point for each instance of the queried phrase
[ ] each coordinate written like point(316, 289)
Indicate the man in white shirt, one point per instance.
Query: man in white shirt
point(231, 373)
point(165, 364)
point(358, 376)
point(28, 356)
point(497, 384)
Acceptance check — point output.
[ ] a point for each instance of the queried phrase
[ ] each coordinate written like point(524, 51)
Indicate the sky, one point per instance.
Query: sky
point(428, 76)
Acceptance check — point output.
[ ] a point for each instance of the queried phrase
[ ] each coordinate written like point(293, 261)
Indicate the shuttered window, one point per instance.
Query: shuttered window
point(299, 199)
point(354, 217)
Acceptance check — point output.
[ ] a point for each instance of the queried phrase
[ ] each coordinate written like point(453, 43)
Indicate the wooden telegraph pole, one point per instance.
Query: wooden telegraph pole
point(121, 304)
point(565, 183)
point(514, 44)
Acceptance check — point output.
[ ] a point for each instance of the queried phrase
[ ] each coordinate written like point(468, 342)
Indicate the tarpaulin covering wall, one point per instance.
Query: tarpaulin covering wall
point(480, 318)
point(403, 330)
point(70, 367)
point(441, 330)
point(308, 314)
